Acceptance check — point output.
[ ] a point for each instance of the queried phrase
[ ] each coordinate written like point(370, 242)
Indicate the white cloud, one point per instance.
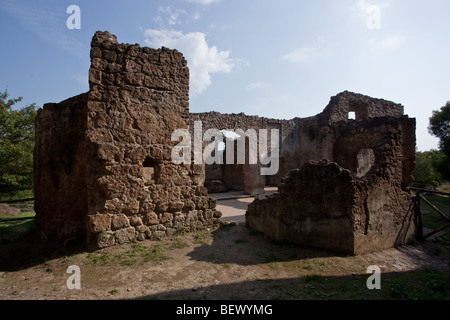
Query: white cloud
point(389, 43)
point(203, 59)
point(203, 2)
point(305, 54)
point(241, 62)
point(256, 85)
point(169, 16)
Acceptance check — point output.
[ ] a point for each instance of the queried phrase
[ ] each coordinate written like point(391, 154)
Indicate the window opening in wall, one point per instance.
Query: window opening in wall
point(352, 115)
point(151, 171)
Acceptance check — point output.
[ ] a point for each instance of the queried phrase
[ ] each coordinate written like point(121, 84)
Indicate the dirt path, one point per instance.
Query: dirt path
point(231, 262)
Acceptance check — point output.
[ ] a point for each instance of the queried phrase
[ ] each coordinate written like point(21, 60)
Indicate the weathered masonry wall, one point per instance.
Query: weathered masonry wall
point(354, 201)
point(104, 169)
point(343, 182)
point(245, 177)
point(103, 164)
point(301, 139)
point(60, 168)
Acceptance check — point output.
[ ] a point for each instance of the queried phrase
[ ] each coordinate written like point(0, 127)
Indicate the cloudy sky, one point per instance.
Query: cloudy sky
point(274, 58)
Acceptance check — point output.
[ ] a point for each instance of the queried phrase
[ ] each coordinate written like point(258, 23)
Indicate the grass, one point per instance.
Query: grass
point(114, 291)
point(13, 230)
point(423, 284)
point(322, 262)
point(154, 254)
point(268, 256)
point(101, 259)
point(312, 276)
point(444, 187)
point(138, 253)
point(427, 284)
point(178, 243)
point(432, 219)
point(308, 266)
point(202, 238)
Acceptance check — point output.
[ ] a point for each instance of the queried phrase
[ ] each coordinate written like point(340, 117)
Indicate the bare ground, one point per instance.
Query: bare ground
point(230, 262)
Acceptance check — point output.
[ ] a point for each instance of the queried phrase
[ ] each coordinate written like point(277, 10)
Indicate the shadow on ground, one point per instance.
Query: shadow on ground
point(227, 263)
point(30, 250)
point(238, 244)
point(425, 284)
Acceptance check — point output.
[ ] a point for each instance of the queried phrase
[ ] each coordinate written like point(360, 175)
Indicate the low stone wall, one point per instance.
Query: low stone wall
point(335, 205)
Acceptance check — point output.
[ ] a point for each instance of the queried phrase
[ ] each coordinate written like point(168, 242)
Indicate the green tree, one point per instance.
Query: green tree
point(440, 127)
point(426, 173)
point(16, 148)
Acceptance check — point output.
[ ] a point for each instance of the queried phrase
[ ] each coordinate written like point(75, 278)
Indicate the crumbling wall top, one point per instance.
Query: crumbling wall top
point(103, 37)
point(364, 107)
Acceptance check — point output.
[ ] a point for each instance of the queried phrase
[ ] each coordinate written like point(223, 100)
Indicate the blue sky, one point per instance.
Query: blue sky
point(280, 59)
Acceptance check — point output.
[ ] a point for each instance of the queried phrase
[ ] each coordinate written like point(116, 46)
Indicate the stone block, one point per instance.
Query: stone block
point(151, 218)
point(98, 222)
point(125, 235)
point(119, 221)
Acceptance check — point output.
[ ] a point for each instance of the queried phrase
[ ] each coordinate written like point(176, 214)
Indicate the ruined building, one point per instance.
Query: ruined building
point(103, 166)
point(356, 200)
point(342, 182)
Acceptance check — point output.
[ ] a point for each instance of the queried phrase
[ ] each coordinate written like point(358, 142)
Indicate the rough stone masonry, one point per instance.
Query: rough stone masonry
point(351, 195)
point(103, 166)
point(342, 184)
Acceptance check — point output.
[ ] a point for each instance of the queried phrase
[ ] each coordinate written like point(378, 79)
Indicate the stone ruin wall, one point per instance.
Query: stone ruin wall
point(245, 177)
point(353, 196)
point(355, 200)
point(301, 139)
point(103, 164)
point(60, 167)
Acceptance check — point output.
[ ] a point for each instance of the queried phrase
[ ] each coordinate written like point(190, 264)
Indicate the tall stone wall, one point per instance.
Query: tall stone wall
point(106, 155)
point(60, 168)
